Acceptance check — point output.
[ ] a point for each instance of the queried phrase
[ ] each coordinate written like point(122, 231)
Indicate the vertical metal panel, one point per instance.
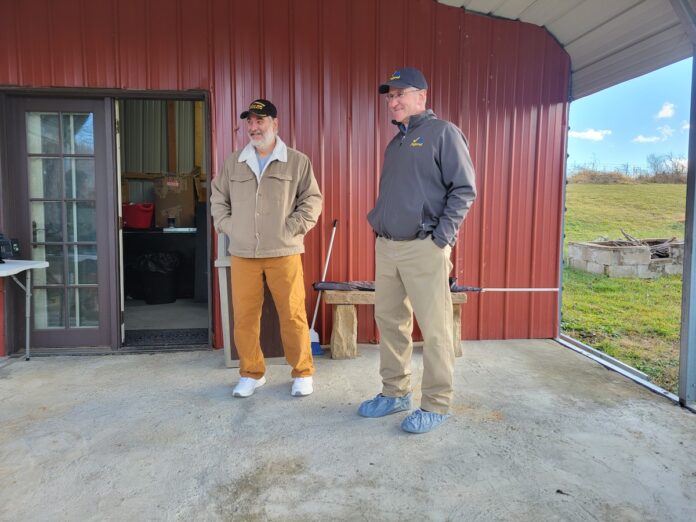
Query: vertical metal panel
point(35, 42)
point(503, 83)
point(194, 40)
point(132, 57)
point(475, 105)
point(336, 159)
point(306, 123)
point(364, 106)
point(163, 44)
point(9, 39)
point(99, 33)
point(66, 43)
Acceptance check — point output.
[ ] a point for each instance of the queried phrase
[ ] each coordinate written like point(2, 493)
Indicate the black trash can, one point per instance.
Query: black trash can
point(158, 275)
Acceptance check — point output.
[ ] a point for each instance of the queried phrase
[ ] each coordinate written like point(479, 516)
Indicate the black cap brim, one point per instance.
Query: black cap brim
point(384, 88)
point(246, 114)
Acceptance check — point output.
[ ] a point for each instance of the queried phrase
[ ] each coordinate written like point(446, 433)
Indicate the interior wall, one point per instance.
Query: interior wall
point(504, 83)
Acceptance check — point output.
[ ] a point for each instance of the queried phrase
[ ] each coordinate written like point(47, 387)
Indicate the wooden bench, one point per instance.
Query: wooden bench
point(344, 335)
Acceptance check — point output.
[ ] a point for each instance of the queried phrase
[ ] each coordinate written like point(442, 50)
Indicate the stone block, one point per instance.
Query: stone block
point(646, 272)
point(576, 251)
point(635, 256)
point(674, 269)
point(622, 271)
point(595, 268)
point(676, 253)
point(344, 335)
point(578, 264)
point(605, 256)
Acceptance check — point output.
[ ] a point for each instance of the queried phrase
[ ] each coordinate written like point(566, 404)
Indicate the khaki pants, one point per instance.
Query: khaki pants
point(412, 276)
point(286, 282)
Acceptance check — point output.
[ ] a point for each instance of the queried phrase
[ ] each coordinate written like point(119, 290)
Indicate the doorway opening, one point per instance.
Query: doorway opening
point(162, 165)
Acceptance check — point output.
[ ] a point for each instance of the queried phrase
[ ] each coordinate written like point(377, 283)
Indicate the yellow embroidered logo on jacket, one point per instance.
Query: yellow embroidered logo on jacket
point(418, 142)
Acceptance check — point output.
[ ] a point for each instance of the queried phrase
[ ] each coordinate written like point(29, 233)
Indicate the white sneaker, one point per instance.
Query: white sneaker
point(302, 386)
point(246, 386)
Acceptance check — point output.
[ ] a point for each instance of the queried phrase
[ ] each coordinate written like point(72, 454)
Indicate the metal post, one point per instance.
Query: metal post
point(687, 354)
point(27, 312)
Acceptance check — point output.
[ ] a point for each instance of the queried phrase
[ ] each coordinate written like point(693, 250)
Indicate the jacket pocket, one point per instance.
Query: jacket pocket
point(241, 228)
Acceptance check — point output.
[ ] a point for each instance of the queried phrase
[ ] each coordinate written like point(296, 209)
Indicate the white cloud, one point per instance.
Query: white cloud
point(646, 139)
point(667, 111)
point(666, 131)
point(589, 134)
point(685, 125)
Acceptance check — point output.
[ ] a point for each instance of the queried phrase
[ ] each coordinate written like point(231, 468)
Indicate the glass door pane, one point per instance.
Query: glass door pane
point(63, 212)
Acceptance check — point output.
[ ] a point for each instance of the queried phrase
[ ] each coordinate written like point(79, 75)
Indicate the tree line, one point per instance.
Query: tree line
point(662, 168)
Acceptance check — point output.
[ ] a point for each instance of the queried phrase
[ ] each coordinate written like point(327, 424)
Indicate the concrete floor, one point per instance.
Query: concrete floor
point(539, 433)
point(183, 313)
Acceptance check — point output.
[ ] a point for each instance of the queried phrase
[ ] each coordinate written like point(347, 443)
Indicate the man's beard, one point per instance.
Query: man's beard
point(264, 141)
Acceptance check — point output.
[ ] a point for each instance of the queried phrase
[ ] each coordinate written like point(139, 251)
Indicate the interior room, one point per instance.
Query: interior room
point(164, 260)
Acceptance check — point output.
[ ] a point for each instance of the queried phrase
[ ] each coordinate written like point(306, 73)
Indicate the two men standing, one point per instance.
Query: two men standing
point(266, 199)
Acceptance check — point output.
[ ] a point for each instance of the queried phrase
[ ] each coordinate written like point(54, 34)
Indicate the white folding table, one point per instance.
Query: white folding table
point(12, 267)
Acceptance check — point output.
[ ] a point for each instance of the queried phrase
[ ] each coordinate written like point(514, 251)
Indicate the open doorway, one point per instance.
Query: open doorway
point(162, 162)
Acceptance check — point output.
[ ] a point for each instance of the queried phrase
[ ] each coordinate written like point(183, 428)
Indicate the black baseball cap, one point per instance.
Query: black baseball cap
point(403, 78)
point(260, 107)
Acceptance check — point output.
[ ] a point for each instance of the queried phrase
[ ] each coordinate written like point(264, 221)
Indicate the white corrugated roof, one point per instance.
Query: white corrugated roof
point(609, 41)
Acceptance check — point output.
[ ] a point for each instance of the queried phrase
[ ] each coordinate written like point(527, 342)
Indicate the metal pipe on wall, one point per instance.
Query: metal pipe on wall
point(687, 352)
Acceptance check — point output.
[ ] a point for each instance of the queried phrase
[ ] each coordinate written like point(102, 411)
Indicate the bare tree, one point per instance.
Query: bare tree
point(656, 164)
point(675, 165)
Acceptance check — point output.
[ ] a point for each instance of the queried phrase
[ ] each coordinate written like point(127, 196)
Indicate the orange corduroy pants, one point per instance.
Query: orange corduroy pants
point(285, 280)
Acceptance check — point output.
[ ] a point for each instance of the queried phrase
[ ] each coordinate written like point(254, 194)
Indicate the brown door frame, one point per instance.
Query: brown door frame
point(9, 224)
point(102, 337)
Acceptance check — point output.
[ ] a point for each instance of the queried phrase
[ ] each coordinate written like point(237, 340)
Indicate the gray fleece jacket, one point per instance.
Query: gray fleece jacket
point(427, 184)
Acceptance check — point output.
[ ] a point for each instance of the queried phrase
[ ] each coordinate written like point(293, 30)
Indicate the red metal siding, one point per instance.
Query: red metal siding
point(504, 83)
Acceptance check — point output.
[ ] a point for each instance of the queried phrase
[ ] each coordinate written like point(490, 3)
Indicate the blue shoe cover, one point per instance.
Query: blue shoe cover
point(382, 405)
point(421, 421)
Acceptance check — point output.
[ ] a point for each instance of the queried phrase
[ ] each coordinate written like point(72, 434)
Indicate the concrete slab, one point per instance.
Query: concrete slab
point(538, 433)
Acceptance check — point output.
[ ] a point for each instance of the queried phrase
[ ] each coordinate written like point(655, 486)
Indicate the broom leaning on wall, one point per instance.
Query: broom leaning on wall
point(313, 335)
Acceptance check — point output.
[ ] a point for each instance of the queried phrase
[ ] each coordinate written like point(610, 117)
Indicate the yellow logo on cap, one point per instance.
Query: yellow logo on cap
point(396, 75)
point(256, 105)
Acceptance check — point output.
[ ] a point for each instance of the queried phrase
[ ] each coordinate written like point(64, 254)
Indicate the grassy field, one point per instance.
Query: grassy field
point(634, 320)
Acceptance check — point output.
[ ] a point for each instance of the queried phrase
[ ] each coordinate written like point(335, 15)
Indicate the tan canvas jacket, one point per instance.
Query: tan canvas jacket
point(270, 218)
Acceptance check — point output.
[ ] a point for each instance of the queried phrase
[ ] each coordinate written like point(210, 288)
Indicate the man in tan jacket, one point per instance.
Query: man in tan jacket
point(265, 200)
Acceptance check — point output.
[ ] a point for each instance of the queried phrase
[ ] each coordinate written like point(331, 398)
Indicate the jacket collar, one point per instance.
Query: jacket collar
point(248, 155)
point(415, 120)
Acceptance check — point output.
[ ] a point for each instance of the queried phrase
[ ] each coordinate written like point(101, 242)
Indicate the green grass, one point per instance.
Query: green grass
point(635, 320)
point(644, 211)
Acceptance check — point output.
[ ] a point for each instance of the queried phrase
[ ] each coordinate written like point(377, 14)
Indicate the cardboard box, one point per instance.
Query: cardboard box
point(201, 184)
point(174, 198)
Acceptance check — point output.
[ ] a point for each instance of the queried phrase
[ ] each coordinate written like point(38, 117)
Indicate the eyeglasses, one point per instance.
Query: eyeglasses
point(398, 95)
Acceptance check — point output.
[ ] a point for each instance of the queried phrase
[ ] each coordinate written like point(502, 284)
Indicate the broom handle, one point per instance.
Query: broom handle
point(326, 268)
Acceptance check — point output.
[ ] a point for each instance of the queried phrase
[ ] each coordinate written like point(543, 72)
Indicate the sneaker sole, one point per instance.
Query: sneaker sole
point(262, 381)
point(300, 394)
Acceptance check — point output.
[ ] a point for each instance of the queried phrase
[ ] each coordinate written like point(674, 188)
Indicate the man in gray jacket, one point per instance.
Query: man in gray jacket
point(425, 191)
point(265, 200)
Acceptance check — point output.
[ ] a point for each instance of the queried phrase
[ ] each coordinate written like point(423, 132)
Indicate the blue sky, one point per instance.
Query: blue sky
point(627, 122)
